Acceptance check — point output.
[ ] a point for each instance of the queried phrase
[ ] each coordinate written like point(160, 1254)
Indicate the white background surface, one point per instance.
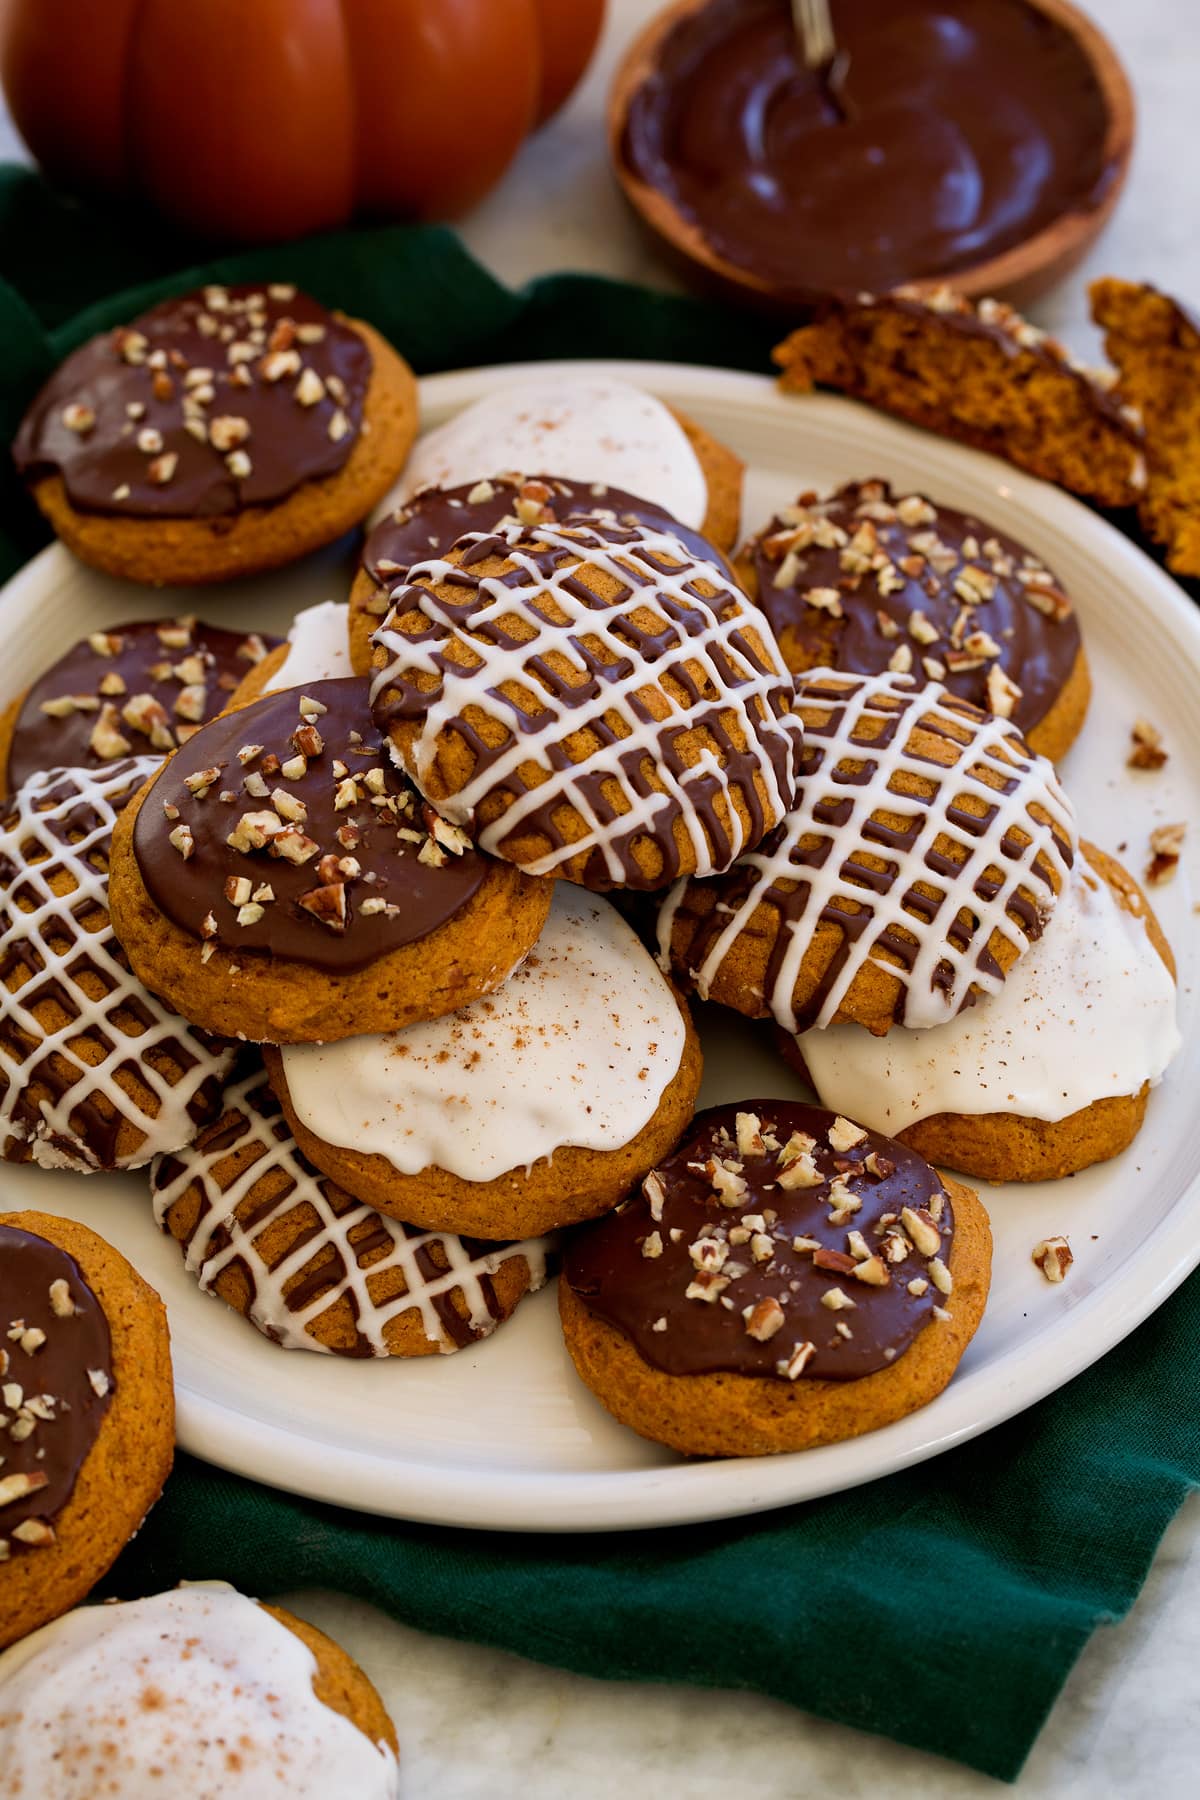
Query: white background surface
point(474, 1722)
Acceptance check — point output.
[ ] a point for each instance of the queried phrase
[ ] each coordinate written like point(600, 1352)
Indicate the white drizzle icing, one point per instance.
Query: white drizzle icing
point(848, 703)
point(206, 1255)
point(1087, 1013)
point(582, 429)
point(702, 639)
point(318, 647)
point(576, 1049)
point(197, 1692)
point(45, 927)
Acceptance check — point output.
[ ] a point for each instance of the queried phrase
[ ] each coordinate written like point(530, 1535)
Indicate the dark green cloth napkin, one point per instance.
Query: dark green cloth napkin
point(944, 1606)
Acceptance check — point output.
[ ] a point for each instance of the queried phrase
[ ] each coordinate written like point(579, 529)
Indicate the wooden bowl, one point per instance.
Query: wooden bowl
point(1018, 274)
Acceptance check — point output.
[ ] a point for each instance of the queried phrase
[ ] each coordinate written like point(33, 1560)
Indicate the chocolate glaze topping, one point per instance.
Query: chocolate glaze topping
point(778, 1240)
point(128, 690)
point(214, 401)
point(429, 523)
point(866, 580)
point(961, 128)
point(336, 859)
point(692, 628)
point(56, 1384)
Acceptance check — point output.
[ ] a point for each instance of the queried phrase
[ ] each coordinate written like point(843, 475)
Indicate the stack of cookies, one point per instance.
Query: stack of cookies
point(345, 936)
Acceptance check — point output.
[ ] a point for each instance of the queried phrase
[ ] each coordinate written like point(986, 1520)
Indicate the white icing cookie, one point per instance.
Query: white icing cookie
point(576, 1049)
point(1087, 1013)
point(196, 1692)
point(584, 428)
point(342, 1253)
point(318, 647)
point(61, 1103)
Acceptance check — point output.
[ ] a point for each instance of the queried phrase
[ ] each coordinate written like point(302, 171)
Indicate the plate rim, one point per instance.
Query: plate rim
point(691, 1492)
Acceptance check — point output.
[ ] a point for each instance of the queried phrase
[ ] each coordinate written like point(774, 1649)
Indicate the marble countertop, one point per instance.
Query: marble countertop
point(474, 1722)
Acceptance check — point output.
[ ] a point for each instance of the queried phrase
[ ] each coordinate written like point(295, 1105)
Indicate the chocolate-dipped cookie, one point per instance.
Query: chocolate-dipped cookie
point(87, 1425)
point(864, 581)
point(196, 1692)
point(314, 1269)
point(225, 431)
point(124, 691)
point(534, 1108)
point(596, 701)
point(1042, 1079)
point(280, 880)
point(95, 1073)
point(432, 520)
point(783, 1279)
point(924, 854)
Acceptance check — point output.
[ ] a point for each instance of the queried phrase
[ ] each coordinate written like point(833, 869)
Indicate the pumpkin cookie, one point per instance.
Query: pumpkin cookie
point(784, 1279)
point(1155, 344)
point(317, 648)
point(981, 374)
point(925, 853)
point(227, 431)
point(88, 1427)
point(602, 704)
point(312, 1268)
point(128, 689)
point(588, 428)
point(1045, 1078)
point(432, 521)
point(199, 1691)
point(282, 882)
point(864, 580)
point(94, 1072)
point(531, 1109)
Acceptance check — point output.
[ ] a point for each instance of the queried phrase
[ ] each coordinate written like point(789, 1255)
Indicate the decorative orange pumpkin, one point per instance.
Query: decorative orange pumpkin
point(266, 119)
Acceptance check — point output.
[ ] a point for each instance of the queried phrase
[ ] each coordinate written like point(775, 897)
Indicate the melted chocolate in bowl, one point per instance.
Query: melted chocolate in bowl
point(962, 128)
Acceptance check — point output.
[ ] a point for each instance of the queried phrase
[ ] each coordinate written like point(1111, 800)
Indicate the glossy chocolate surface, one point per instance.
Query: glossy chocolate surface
point(56, 1381)
point(961, 128)
point(429, 523)
point(714, 1265)
point(337, 861)
point(128, 690)
point(213, 401)
point(862, 578)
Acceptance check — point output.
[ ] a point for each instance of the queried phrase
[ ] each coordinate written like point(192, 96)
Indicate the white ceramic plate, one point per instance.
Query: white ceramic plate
point(504, 1435)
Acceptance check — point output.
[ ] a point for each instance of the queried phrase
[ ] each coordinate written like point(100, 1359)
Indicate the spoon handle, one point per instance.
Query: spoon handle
point(815, 32)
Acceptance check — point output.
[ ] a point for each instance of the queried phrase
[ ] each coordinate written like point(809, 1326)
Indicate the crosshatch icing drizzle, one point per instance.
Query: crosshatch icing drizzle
point(680, 690)
point(304, 1247)
point(65, 984)
point(923, 881)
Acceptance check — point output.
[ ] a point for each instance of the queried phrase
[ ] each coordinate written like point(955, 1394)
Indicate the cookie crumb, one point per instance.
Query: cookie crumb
point(1166, 847)
point(1147, 750)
